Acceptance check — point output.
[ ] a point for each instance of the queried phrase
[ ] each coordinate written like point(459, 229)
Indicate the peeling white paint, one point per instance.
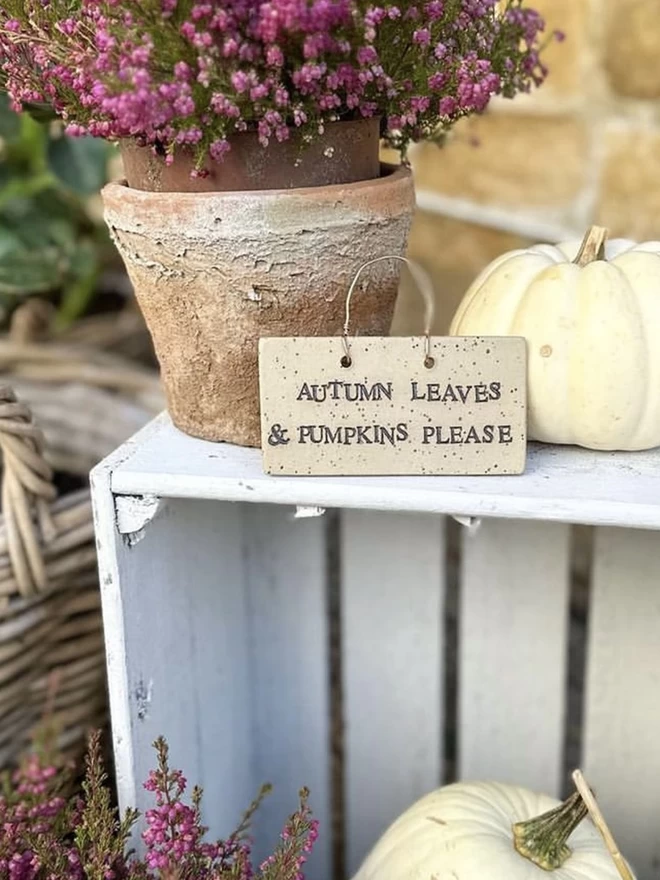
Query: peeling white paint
point(133, 514)
point(307, 512)
point(471, 523)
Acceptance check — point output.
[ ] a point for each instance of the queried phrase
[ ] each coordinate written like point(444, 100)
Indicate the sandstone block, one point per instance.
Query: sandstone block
point(566, 61)
point(633, 47)
point(509, 160)
point(629, 201)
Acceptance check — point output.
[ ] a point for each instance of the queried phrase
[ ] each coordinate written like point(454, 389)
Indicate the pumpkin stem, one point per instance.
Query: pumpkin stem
point(543, 840)
point(599, 821)
point(593, 247)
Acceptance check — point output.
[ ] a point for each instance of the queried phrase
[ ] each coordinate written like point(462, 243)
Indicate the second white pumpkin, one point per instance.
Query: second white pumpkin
point(465, 832)
point(593, 334)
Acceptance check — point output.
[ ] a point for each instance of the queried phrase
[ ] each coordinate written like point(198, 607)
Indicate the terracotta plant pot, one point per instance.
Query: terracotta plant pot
point(347, 152)
point(214, 271)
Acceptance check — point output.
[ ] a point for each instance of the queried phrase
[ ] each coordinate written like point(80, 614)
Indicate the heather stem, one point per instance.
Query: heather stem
point(543, 840)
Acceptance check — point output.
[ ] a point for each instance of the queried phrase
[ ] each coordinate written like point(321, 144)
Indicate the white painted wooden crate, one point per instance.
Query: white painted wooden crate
point(215, 599)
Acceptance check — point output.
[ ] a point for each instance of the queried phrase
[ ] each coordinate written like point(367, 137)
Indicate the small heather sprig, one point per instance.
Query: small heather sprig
point(190, 73)
point(47, 835)
point(100, 837)
point(297, 839)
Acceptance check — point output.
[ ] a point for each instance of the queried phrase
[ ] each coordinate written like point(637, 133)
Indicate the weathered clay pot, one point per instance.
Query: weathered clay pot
point(347, 152)
point(215, 271)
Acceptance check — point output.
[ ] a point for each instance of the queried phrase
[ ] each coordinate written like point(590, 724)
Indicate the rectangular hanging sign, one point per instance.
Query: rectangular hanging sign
point(393, 406)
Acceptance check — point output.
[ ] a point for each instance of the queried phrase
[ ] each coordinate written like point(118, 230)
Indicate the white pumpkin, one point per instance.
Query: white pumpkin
point(591, 317)
point(465, 831)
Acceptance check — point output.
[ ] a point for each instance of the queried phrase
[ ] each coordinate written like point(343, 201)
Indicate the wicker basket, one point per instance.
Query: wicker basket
point(85, 402)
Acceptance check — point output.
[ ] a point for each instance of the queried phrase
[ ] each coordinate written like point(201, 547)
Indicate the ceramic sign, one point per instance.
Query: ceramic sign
point(393, 406)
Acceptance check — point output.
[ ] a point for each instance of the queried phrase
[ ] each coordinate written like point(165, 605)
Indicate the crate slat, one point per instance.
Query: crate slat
point(392, 601)
point(622, 701)
point(561, 483)
point(512, 653)
point(177, 650)
point(285, 564)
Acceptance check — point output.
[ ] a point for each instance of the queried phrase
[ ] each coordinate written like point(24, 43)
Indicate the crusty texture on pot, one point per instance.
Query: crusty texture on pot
point(213, 272)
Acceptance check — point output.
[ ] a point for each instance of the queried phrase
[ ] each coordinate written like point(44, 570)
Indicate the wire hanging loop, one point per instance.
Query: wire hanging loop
point(424, 285)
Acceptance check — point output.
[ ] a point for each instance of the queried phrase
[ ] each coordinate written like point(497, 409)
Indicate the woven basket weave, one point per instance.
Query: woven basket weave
point(62, 408)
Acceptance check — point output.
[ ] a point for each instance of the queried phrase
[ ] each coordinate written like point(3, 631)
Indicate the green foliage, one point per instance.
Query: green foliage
point(49, 244)
point(10, 123)
point(101, 837)
point(79, 163)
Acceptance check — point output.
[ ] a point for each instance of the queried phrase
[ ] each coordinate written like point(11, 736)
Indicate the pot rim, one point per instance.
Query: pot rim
point(363, 121)
point(391, 175)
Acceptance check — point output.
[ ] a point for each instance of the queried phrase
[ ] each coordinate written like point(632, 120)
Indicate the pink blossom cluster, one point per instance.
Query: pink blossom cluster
point(48, 834)
point(175, 837)
point(191, 73)
point(36, 811)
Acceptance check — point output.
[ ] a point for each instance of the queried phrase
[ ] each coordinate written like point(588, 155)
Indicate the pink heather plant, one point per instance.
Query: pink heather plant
point(193, 72)
point(47, 835)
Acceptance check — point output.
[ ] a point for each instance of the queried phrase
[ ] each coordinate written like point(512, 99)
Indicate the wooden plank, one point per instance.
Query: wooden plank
point(561, 483)
point(177, 650)
point(392, 601)
point(513, 653)
point(622, 701)
point(109, 547)
point(286, 594)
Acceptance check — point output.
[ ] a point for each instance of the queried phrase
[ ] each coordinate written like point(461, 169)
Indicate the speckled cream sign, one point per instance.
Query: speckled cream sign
point(390, 410)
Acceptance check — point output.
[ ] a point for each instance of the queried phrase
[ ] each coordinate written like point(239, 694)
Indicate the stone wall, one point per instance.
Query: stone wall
point(584, 148)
